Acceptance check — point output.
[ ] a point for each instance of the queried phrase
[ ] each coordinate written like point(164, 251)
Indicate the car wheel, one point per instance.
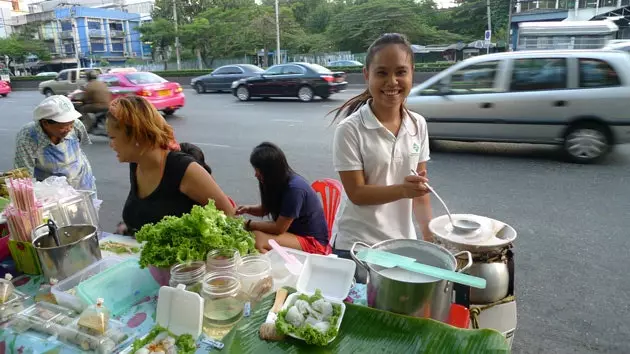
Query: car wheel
point(306, 94)
point(242, 93)
point(325, 97)
point(169, 112)
point(587, 142)
point(199, 88)
point(48, 92)
point(4, 94)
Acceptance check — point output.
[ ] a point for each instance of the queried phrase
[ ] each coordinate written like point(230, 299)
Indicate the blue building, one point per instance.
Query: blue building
point(96, 34)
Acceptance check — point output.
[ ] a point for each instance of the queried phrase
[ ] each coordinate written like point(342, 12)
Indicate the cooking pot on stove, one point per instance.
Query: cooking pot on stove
point(400, 291)
point(486, 245)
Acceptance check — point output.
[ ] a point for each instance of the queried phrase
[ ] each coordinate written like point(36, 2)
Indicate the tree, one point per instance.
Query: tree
point(198, 36)
point(161, 34)
point(18, 49)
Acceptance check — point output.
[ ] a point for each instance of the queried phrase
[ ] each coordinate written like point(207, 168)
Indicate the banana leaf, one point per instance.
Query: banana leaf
point(368, 330)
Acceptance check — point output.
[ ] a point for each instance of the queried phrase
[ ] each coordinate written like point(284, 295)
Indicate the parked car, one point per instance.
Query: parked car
point(344, 63)
point(166, 96)
point(575, 99)
point(5, 88)
point(301, 80)
point(48, 73)
point(222, 78)
point(67, 81)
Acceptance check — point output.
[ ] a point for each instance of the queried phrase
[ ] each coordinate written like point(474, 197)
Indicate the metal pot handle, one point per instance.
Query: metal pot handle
point(353, 254)
point(470, 260)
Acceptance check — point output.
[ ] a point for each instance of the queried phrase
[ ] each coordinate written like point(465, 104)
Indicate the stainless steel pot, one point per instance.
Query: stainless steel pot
point(497, 278)
point(397, 290)
point(78, 249)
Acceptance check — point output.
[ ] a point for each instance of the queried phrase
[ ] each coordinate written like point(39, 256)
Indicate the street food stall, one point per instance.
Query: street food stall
point(83, 290)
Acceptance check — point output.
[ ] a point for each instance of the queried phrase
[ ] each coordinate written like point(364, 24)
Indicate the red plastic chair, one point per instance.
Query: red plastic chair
point(330, 192)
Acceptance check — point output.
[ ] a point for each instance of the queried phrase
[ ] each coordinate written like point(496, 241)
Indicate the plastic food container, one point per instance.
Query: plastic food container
point(43, 321)
point(223, 260)
point(332, 276)
point(190, 274)
point(254, 273)
point(65, 291)
point(13, 306)
point(120, 286)
point(280, 274)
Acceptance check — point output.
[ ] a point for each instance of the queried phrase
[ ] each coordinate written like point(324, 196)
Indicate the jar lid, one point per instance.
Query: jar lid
point(492, 233)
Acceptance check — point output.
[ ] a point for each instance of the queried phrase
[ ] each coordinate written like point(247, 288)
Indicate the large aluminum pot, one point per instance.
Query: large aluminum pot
point(408, 293)
point(78, 249)
point(497, 276)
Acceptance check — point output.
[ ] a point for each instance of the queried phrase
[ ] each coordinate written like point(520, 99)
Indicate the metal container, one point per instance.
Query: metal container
point(400, 291)
point(497, 278)
point(78, 249)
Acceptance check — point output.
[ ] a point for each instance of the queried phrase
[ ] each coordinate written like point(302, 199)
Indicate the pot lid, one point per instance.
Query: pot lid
point(492, 233)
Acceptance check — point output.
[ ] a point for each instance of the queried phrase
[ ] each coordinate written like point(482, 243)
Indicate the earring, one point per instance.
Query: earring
point(137, 144)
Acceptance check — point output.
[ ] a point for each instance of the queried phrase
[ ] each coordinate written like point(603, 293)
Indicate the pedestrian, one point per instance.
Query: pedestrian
point(164, 181)
point(297, 215)
point(376, 146)
point(51, 145)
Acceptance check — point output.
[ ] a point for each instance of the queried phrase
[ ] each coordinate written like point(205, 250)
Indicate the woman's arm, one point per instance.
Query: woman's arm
point(360, 193)
point(280, 226)
point(422, 207)
point(200, 186)
point(254, 210)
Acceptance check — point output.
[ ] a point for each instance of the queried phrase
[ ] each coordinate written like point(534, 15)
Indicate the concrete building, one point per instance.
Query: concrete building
point(8, 9)
point(571, 10)
point(90, 34)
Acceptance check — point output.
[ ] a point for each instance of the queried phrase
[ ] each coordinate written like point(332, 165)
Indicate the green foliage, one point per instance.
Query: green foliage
point(18, 47)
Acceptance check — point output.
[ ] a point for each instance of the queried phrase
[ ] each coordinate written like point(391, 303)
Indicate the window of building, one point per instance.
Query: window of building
point(118, 46)
point(68, 48)
point(539, 74)
point(587, 4)
point(115, 26)
point(607, 3)
point(597, 73)
point(94, 25)
point(98, 45)
point(66, 26)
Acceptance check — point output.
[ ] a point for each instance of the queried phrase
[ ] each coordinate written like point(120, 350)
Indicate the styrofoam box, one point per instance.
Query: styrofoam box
point(332, 276)
point(74, 302)
point(501, 318)
point(280, 274)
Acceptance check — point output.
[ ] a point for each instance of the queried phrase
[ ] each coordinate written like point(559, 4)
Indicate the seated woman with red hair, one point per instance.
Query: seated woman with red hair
point(164, 180)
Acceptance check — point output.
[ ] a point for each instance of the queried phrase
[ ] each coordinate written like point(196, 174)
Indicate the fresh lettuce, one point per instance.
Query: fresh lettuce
point(185, 343)
point(190, 237)
point(306, 331)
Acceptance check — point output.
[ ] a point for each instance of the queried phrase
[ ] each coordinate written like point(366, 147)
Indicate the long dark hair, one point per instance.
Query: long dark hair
point(194, 151)
point(353, 104)
point(272, 165)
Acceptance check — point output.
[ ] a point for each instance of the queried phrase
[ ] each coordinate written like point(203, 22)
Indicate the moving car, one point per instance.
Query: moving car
point(48, 73)
point(301, 80)
point(222, 78)
point(345, 63)
point(576, 99)
point(67, 81)
point(5, 88)
point(166, 96)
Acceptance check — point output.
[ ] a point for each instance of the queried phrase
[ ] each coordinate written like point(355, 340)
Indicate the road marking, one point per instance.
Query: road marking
point(287, 120)
point(240, 104)
point(213, 145)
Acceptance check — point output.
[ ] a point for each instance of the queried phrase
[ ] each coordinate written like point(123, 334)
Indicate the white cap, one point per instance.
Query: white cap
point(57, 108)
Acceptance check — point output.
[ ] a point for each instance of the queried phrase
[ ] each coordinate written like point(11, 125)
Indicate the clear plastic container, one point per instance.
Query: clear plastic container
point(44, 293)
point(190, 274)
point(13, 306)
point(6, 288)
point(65, 291)
point(224, 302)
point(95, 319)
point(254, 273)
point(280, 274)
point(121, 285)
point(223, 260)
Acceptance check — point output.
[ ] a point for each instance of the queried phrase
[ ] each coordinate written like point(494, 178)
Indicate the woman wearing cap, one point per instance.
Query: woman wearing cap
point(51, 144)
point(164, 181)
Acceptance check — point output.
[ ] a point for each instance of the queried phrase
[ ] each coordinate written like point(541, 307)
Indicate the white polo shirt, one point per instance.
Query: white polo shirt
point(361, 142)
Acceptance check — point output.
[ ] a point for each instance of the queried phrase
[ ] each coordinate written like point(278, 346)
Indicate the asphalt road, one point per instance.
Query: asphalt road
point(572, 249)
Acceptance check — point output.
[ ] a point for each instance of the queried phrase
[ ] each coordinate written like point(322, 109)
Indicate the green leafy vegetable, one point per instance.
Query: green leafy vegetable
point(306, 331)
point(190, 237)
point(185, 343)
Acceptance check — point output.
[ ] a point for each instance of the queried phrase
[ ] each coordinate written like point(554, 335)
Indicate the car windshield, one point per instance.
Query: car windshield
point(144, 78)
point(319, 69)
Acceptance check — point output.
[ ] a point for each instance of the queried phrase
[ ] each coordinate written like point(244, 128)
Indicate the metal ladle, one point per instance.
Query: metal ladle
point(462, 225)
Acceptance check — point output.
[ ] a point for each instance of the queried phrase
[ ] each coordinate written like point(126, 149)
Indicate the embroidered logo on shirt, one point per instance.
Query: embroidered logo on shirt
point(416, 148)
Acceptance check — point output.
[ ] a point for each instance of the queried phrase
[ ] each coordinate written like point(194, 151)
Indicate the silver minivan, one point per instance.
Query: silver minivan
point(577, 99)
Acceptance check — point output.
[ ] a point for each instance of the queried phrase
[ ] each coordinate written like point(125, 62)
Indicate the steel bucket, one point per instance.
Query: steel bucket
point(400, 291)
point(78, 249)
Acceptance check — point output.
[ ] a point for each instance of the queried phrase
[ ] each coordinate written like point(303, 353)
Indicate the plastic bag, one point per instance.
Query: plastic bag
point(6, 288)
point(95, 319)
point(53, 189)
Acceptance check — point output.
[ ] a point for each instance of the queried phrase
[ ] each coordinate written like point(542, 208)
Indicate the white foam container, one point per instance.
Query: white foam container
point(280, 274)
point(332, 275)
point(74, 302)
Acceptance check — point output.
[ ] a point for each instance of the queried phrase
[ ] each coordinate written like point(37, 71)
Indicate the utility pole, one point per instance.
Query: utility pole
point(279, 58)
point(489, 25)
point(179, 61)
point(74, 38)
point(509, 31)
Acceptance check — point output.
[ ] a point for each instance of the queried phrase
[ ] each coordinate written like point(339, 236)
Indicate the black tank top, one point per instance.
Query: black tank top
point(165, 200)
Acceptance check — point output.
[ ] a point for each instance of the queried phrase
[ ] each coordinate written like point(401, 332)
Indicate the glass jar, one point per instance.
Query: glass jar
point(223, 260)
point(254, 272)
point(224, 303)
point(190, 274)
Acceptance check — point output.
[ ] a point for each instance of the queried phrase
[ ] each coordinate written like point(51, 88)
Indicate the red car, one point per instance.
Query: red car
point(166, 96)
point(5, 88)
